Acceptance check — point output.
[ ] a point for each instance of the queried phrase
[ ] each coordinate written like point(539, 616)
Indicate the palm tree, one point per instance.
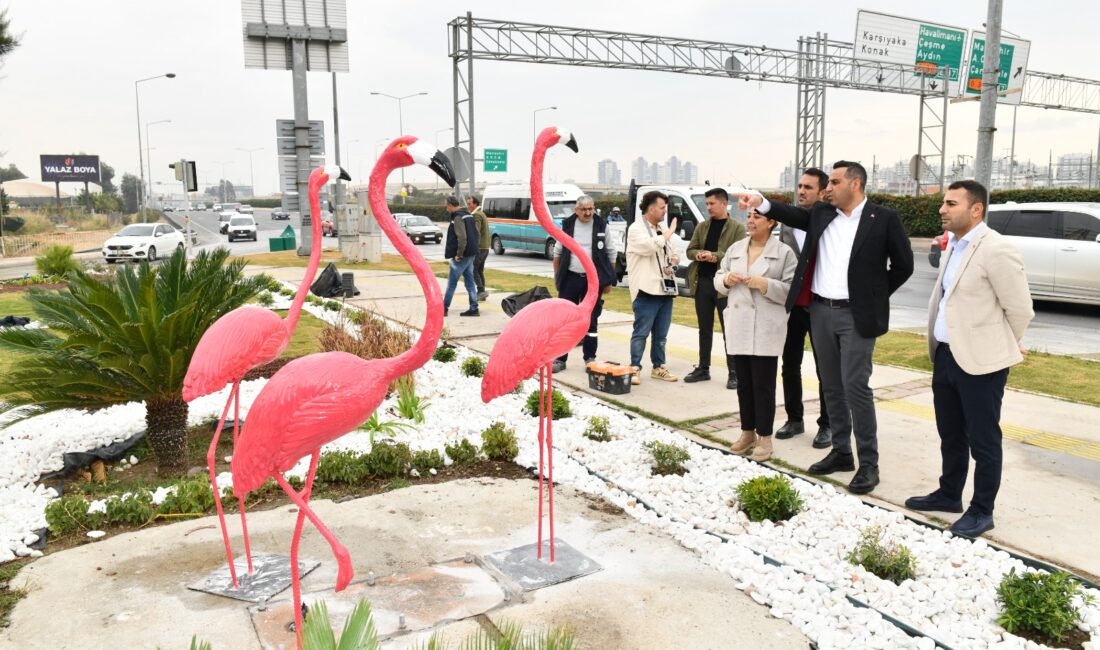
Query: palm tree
point(8, 40)
point(124, 340)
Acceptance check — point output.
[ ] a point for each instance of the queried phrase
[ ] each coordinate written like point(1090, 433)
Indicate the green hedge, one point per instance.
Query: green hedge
point(263, 203)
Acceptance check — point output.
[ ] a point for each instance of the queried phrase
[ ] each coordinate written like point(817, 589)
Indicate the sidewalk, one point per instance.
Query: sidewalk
point(1051, 480)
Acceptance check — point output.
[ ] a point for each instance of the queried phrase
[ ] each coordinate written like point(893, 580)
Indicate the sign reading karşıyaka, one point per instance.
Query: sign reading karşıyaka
point(923, 47)
point(72, 168)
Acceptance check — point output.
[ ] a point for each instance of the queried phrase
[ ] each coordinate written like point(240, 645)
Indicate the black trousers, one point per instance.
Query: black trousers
point(756, 392)
point(798, 327)
point(574, 287)
point(479, 269)
point(707, 300)
point(968, 416)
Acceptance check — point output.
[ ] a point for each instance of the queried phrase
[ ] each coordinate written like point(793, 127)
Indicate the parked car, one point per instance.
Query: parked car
point(199, 207)
point(246, 209)
point(142, 241)
point(168, 208)
point(242, 227)
point(223, 220)
point(217, 207)
point(1060, 244)
point(419, 229)
point(280, 214)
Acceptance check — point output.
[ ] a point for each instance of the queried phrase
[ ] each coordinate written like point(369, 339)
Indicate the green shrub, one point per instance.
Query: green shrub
point(473, 366)
point(192, 496)
point(425, 460)
point(313, 300)
point(769, 497)
point(463, 452)
point(1039, 602)
point(388, 460)
point(358, 633)
point(286, 293)
point(332, 305)
point(265, 300)
point(69, 514)
point(56, 260)
point(559, 405)
point(499, 442)
point(445, 354)
point(893, 562)
point(597, 429)
point(667, 458)
point(270, 283)
point(342, 467)
point(130, 509)
point(409, 405)
point(390, 427)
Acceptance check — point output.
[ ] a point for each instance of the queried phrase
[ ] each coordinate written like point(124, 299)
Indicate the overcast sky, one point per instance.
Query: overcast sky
point(70, 87)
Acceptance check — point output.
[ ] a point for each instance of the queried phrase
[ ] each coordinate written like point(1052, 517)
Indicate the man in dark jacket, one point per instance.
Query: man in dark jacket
point(461, 250)
point(856, 254)
point(473, 204)
point(590, 232)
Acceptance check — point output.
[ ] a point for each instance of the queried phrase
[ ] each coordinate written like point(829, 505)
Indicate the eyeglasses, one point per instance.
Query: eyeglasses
point(586, 209)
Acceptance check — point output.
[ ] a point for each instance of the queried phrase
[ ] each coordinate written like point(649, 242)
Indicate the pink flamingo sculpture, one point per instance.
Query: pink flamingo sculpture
point(316, 399)
point(542, 331)
point(243, 339)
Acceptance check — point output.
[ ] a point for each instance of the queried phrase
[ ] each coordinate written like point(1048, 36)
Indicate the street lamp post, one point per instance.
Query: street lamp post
point(400, 128)
point(534, 121)
point(449, 128)
point(141, 163)
point(148, 156)
point(251, 174)
point(359, 171)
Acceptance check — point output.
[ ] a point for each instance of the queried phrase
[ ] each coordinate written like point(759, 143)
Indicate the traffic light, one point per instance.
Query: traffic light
point(185, 171)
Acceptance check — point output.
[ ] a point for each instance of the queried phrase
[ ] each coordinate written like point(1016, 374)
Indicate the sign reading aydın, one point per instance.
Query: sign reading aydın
point(924, 47)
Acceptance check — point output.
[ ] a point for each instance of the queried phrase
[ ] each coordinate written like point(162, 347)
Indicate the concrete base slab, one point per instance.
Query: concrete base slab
point(522, 566)
point(401, 603)
point(270, 575)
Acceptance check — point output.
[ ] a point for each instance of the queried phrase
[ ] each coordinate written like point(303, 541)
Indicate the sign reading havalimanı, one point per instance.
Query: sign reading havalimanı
point(924, 48)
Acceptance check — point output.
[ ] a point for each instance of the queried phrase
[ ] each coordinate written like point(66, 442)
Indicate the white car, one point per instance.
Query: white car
point(242, 227)
point(142, 241)
point(246, 209)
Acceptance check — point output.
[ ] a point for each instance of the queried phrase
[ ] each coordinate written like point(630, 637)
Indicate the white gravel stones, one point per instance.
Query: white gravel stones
point(96, 534)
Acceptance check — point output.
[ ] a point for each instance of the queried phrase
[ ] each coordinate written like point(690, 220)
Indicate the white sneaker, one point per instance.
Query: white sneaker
point(636, 376)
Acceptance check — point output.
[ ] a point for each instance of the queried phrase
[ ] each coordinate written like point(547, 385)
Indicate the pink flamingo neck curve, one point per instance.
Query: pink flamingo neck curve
point(317, 179)
point(548, 138)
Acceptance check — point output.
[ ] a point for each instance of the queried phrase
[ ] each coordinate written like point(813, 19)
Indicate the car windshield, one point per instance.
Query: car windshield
point(417, 221)
point(240, 221)
point(700, 201)
point(137, 230)
point(561, 209)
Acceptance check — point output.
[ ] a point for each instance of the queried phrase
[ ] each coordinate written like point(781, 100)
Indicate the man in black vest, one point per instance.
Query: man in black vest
point(856, 254)
point(590, 231)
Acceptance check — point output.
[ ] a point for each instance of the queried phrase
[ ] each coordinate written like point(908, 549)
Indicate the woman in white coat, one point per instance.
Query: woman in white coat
point(756, 274)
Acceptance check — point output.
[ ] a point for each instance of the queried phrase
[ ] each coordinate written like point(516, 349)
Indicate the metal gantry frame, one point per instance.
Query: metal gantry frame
point(817, 64)
point(932, 125)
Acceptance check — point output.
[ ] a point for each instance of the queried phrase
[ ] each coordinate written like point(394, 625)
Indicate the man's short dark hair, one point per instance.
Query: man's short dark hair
point(822, 177)
point(453, 201)
point(650, 197)
point(975, 192)
point(473, 199)
point(855, 172)
point(718, 192)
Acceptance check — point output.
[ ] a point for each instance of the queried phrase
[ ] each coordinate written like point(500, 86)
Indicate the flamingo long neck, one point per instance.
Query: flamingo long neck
point(315, 183)
point(425, 345)
point(542, 213)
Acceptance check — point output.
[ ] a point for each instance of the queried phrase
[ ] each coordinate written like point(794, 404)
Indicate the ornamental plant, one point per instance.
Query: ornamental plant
point(445, 354)
point(769, 497)
point(499, 442)
point(462, 452)
point(1040, 603)
point(667, 458)
point(889, 561)
point(473, 366)
point(559, 405)
point(597, 429)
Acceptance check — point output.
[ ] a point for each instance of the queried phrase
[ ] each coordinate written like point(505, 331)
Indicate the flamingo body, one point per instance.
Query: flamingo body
point(243, 339)
point(538, 334)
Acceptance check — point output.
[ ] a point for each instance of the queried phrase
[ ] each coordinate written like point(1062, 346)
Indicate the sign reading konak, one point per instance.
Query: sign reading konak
point(924, 47)
point(72, 168)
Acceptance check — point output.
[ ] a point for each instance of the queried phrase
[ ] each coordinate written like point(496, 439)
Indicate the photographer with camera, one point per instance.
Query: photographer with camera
point(651, 265)
point(756, 274)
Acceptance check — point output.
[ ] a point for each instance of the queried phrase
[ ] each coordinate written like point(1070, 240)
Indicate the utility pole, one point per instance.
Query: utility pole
point(987, 115)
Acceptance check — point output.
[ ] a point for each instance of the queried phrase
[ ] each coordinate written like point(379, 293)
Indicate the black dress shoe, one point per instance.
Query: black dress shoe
point(699, 373)
point(836, 461)
point(790, 429)
point(972, 524)
point(559, 366)
point(933, 502)
point(470, 312)
point(865, 480)
point(731, 383)
point(824, 438)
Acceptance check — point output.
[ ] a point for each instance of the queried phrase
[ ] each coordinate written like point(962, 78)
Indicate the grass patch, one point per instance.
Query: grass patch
point(305, 338)
point(12, 303)
point(389, 262)
point(9, 595)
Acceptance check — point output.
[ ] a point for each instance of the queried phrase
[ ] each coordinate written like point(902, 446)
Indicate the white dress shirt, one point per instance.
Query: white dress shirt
point(956, 252)
point(834, 251)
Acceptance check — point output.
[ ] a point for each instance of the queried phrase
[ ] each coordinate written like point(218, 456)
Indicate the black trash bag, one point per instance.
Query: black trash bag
point(14, 321)
point(328, 285)
point(518, 301)
point(78, 459)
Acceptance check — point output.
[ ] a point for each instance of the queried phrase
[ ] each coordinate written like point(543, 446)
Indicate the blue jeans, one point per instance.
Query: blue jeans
point(465, 269)
point(652, 314)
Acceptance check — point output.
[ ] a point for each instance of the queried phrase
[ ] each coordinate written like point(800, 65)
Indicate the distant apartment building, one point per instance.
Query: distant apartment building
point(608, 172)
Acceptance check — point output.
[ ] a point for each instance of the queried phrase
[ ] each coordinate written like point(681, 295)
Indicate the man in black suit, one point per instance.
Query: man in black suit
point(855, 256)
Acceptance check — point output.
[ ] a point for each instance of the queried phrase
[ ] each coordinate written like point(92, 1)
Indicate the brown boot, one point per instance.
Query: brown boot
point(744, 444)
point(763, 449)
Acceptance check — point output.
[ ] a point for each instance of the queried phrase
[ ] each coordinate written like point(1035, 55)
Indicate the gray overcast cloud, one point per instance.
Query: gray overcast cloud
point(70, 87)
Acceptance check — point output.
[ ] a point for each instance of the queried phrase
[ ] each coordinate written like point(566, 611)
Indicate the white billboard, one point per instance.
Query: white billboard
point(279, 18)
point(921, 47)
point(1012, 68)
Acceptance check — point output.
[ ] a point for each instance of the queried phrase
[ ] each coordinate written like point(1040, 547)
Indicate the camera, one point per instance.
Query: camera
point(669, 286)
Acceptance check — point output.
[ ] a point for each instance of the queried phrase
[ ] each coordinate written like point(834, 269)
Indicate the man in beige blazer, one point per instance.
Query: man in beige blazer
point(979, 310)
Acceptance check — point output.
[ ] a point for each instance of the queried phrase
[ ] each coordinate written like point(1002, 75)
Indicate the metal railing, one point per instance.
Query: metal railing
point(34, 245)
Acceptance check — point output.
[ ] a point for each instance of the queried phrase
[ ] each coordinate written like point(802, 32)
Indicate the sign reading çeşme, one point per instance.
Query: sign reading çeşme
point(923, 48)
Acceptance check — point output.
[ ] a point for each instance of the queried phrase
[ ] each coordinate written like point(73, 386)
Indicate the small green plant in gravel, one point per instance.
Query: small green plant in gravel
point(1039, 603)
point(342, 467)
point(499, 442)
point(667, 458)
point(889, 561)
point(597, 429)
point(559, 405)
point(332, 305)
point(192, 496)
point(425, 460)
point(314, 300)
point(473, 366)
point(410, 405)
point(389, 460)
point(389, 428)
point(769, 497)
point(69, 514)
point(131, 509)
point(265, 300)
point(462, 452)
point(286, 293)
point(444, 354)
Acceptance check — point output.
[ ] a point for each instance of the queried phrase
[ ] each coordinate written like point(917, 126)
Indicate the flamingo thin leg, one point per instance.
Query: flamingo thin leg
point(210, 455)
point(240, 502)
point(343, 559)
point(550, 454)
point(295, 579)
point(542, 414)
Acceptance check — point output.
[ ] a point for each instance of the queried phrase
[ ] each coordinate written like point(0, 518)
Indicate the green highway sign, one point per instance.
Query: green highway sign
point(1012, 68)
point(496, 160)
point(938, 47)
point(919, 49)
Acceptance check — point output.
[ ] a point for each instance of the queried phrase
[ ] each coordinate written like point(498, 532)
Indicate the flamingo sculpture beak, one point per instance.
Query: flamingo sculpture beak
point(434, 160)
point(336, 172)
point(568, 140)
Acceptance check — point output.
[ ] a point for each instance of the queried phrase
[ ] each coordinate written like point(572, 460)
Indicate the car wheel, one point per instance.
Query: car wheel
point(152, 253)
point(179, 246)
point(498, 246)
point(549, 252)
point(254, 237)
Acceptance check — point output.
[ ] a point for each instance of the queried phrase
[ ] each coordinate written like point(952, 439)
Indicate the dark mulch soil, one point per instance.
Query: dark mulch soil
point(13, 288)
point(1074, 639)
